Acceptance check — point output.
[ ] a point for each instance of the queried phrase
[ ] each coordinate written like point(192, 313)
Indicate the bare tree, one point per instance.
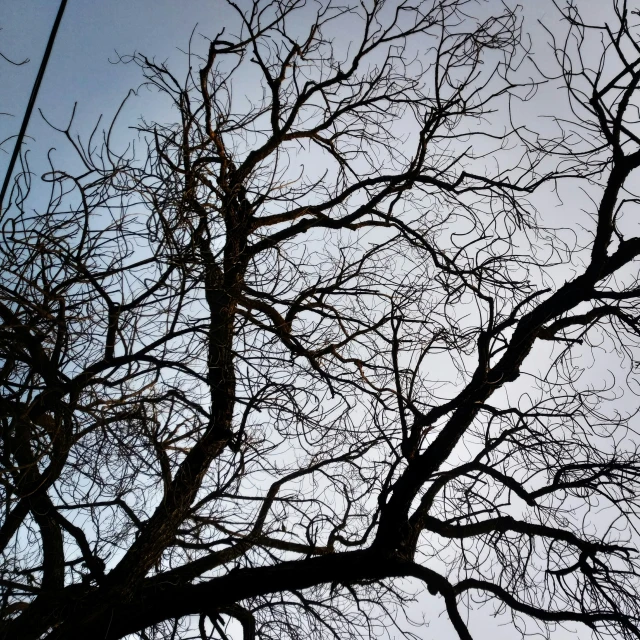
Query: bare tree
point(317, 338)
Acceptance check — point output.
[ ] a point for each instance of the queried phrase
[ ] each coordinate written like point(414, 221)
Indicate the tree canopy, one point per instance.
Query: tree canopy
point(357, 320)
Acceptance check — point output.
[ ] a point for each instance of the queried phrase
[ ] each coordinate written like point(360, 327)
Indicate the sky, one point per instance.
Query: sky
point(91, 35)
point(81, 69)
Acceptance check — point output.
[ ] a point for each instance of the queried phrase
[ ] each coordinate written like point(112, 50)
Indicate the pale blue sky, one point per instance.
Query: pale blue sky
point(80, 70)
point(90, 34)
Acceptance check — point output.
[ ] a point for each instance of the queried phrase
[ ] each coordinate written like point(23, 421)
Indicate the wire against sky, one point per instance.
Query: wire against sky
point(32, 101)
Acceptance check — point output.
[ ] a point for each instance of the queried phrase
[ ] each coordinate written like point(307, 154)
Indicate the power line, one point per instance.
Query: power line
point(32, 101)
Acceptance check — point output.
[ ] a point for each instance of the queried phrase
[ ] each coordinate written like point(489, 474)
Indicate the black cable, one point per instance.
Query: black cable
point(32, 101)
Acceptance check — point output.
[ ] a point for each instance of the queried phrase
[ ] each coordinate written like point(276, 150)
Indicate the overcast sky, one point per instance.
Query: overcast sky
point(90, 34)
point(80, 70)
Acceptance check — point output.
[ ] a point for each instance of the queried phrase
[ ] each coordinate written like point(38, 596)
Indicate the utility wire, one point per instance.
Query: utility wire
point(32, 101)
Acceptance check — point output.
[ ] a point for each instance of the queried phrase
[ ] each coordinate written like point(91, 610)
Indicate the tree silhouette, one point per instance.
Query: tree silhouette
point(324, 333)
